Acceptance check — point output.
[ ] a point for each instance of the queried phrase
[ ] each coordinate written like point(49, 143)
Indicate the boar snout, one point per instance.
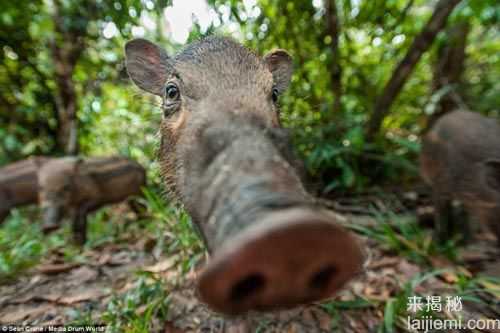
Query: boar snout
point(287, 257)
point(271, 247)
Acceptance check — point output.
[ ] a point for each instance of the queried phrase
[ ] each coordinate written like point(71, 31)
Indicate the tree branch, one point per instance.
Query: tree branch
point(420, 45)
point(333, 30)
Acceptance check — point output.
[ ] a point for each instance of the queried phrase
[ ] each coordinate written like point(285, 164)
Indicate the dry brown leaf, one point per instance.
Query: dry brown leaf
point(449, 277)
point(104, 259)
point(50, 269)
point(473, 256)
point(408, 270)
point(295, 328)
point(120, 258)
point(83, 274)
point(22, 313)
point(324, 320)
point(187, 303)
point(89, 294)
point(384, 262)
point(141, 309)
point(307, 315)
point(440, 262)
point(47, 298)
point(239, 326)
point(170, 328)
point(161, 266)
point(147, 244)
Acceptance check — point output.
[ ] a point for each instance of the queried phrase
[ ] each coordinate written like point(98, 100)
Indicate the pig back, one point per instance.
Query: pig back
point(110, 179)
point(18, 182)
point(453, 150)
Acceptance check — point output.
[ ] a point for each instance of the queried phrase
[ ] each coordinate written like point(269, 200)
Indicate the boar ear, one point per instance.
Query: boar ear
point(147, 65)
point(492, 173)
point(280, 63)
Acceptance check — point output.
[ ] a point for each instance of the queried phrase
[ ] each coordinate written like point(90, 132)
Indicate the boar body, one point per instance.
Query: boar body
point(225, 157)
point(76, 187)
point(18, 184)
point(460, 159)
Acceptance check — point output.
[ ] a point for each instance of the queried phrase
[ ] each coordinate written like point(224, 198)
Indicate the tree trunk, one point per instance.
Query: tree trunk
point(67, 48)
point(67, 136)
point(333, 30)
point(421, 44)
point(448, 70)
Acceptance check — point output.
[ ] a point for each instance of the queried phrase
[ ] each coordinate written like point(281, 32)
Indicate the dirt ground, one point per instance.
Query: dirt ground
point(54, 290)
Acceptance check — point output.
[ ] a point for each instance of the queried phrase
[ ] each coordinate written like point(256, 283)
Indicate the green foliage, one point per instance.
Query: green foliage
point(334, 308)
point(134, 311)
point(405, 237)
point(374, 36)
point(184, 239)
point(111, 117)
point(20, 246)
point(22, 243)
point(116, 118)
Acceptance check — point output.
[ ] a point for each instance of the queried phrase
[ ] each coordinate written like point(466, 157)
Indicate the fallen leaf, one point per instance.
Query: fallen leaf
point(407, 269)
point(161, 266)
point(22, 313)
point(323, 319)
point(48, 298)
point(141, 309)
point(120, 258)
point(36, 298)
point(83, 274)
point(50, 269)
point(89, 294)
point(238, 326)
point(187, 303)
point(384, 262)
point(104, 259)
point(307, 315)
point(170, 328)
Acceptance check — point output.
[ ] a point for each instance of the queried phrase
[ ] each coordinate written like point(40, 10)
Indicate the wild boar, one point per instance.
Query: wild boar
point(225, 157)
point(460, 159)
point(18, 184)
point(74, 187)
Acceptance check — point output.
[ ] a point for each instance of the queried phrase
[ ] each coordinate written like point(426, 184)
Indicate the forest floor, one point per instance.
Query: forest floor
point(140, 277)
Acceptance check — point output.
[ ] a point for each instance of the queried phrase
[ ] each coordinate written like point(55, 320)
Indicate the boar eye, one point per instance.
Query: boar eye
point(275, 95)
point(172, 91)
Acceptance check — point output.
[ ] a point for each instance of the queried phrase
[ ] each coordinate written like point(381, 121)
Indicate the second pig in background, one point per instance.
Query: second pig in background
point(74, 187)
point(460, 159)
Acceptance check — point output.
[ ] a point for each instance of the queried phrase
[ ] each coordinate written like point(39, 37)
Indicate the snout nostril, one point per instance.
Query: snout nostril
point(247, 286)
point(321, 279)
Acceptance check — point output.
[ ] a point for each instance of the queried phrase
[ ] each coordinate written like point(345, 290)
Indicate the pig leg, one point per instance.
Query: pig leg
point(461, 224)
point(80, 223)
point(443, 217)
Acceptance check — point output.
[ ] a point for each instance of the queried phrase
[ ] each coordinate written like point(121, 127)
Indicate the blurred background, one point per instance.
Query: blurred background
point(64, 88)
point(370, 77)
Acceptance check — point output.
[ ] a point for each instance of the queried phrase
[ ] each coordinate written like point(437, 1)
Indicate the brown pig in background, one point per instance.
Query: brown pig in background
point(460, 159)
point(18, 184)
point(75, 187)
point(225, 156)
